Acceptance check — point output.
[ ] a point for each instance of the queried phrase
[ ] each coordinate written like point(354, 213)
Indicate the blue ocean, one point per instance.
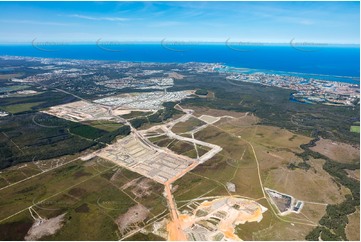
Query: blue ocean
point(328, 62)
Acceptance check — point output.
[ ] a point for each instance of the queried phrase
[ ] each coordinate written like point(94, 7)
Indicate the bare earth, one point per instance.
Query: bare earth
point(355, 174)
point(198, 111)
point(134, 215)
point(176, 75)
point(45, 228)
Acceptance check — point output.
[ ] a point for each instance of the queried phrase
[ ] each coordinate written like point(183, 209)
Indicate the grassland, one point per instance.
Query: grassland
point(104, 125)
point(344, 153)
point(353, 228)
point(19, 108)
point(135, 114)
point(12, 88)
point(187, 126)
point(93, 194)
point(355, 129)
point(180, 147)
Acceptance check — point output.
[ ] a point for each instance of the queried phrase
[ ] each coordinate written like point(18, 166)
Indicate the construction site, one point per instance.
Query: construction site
point(80, 111)
point(284, 203)
point(138, 156)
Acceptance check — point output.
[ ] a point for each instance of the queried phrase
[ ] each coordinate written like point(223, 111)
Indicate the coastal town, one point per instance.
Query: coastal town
point(307, 90)
point(112, 77)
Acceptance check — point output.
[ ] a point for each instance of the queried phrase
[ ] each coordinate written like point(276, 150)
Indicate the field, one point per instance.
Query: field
point(104, 125)
point(135, 114)
point(12, 88)
point(355, 129)
point(19, 108)
point(337, 151)
point(187, 126)
point(353, 228)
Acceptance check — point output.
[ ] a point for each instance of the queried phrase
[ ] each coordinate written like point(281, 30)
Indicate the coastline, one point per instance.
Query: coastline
point(336, 63)
point(228, 69)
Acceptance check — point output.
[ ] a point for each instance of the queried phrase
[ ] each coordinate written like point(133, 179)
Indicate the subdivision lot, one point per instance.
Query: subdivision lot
point(157, 165)
point(79, 111)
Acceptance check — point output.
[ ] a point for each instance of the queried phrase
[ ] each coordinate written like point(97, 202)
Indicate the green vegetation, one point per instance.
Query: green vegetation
point(77, 189)
point(33, 103)
point(12, 88)
point(164, 114)
point(19, 108)
point(135, 114)
point(355, 129)
point(25, 137)
point(145, 237)
point(201, 92)
point(273, 106)
point(302, 165)
point(110, 136)
point(187, 126)
point(335, 220)
point(182, 147)
point(15, 230)
point(104, 125)
point(138, 122)
point(86, 131)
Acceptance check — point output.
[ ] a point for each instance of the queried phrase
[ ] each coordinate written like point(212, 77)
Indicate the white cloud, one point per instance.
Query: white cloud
point(115, 19)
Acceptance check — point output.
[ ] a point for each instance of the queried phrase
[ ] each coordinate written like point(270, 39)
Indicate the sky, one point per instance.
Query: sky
point(265, 22)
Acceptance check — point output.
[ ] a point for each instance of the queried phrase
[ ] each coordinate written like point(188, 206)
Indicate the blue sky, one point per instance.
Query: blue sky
point(277, 22)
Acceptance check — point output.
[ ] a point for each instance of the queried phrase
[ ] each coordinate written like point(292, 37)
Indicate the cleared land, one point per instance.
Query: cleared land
point(337, 151)
point(80, 111)
point(198, 111)
point(217, 219)
point(353, 227)
point(133, 154)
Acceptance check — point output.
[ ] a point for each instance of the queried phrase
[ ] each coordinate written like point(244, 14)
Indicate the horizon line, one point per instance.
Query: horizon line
point(168, 42)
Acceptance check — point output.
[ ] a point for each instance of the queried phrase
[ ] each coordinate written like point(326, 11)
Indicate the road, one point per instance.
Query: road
point(175, 231)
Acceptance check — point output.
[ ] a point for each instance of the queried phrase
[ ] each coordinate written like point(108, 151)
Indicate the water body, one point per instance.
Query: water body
point(307, 76)
point(337, 63)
